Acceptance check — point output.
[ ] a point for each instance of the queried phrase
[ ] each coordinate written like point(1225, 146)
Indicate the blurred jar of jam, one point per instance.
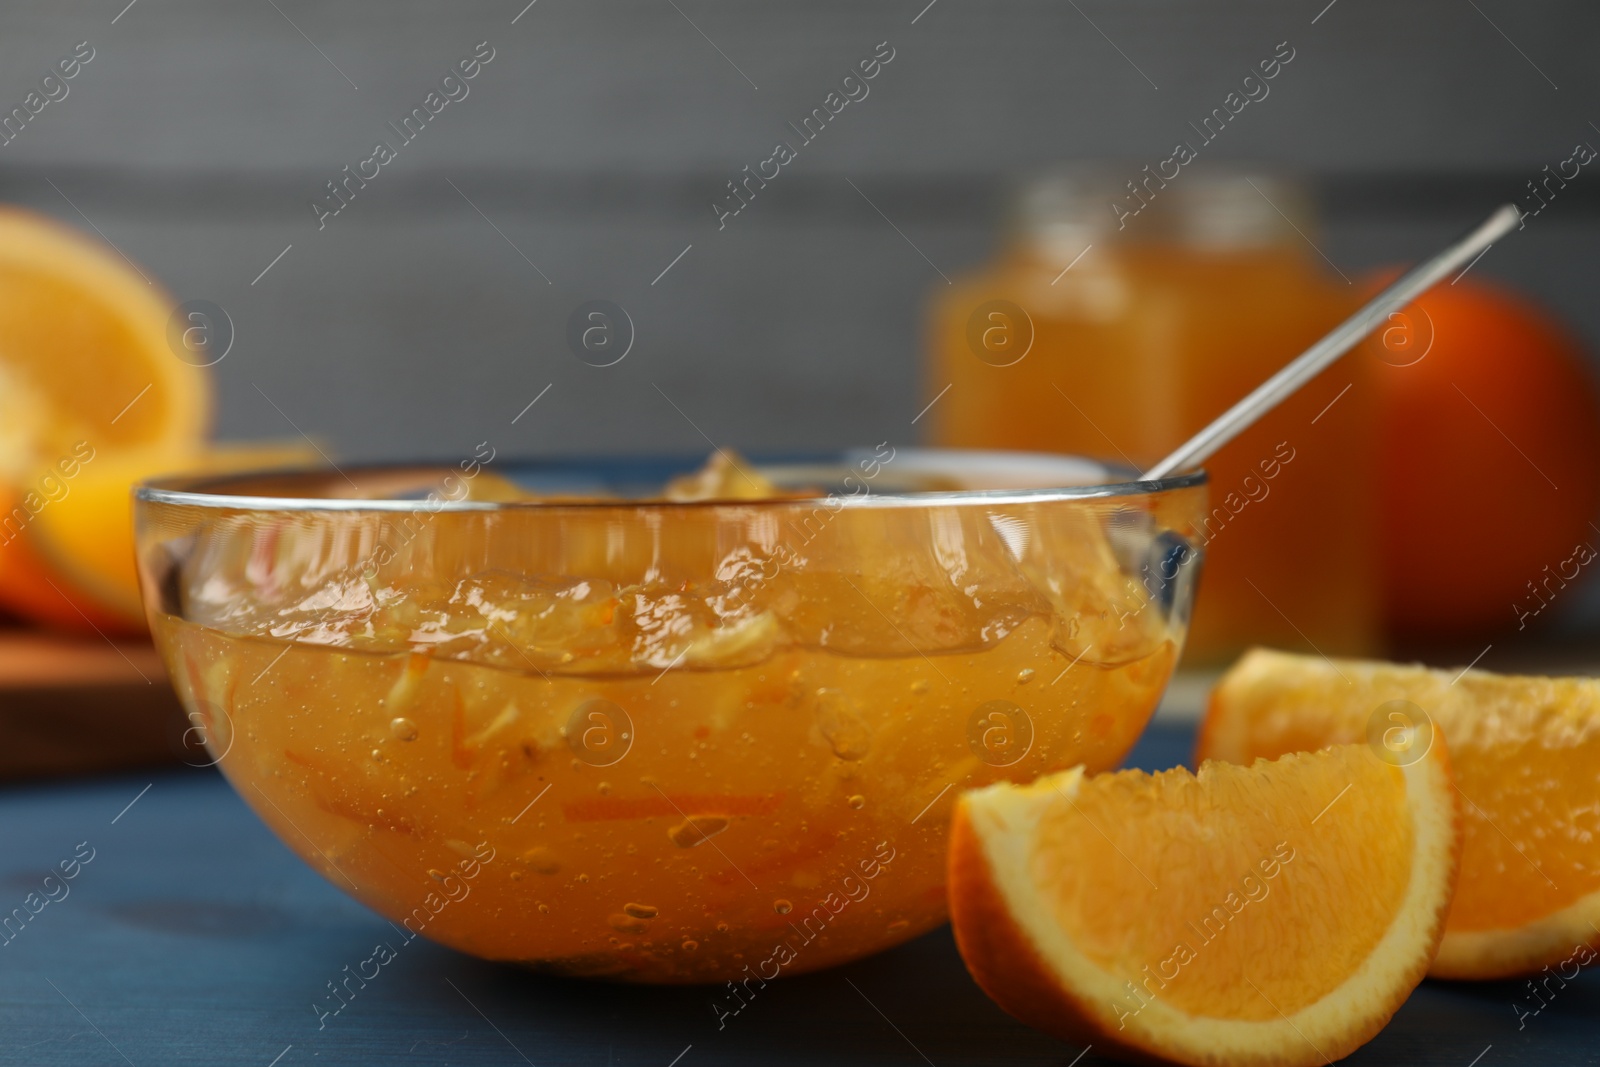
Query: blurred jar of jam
point(1119, 318)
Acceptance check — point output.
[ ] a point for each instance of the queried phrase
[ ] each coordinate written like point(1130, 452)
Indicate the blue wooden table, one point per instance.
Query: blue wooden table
point(193, 937)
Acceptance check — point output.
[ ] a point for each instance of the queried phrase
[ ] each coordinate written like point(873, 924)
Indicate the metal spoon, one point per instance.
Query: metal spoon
point(1270, 393)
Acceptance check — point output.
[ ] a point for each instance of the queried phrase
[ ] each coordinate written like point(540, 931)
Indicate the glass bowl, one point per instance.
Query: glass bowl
point(607, 734)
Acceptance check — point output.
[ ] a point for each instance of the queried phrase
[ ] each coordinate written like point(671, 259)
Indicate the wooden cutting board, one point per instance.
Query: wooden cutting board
point(72, 705)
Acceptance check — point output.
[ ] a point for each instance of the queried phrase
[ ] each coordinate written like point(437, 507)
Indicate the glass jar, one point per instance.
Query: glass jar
point(1119, 318)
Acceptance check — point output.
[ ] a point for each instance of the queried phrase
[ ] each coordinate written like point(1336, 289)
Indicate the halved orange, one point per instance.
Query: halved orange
point(85, 369)
point(1526, 753)
point(1272, 914)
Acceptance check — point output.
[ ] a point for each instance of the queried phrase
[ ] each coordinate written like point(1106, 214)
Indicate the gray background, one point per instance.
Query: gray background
point(600, 133)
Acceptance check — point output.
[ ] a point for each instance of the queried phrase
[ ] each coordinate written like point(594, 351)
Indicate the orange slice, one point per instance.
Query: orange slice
point(85, 369)
point(1525, 752)
point(1272, 914)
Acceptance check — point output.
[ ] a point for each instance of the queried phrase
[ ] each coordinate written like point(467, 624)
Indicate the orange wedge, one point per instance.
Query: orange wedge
point(1525, 750)
point(1272, 914)
point(86, 369)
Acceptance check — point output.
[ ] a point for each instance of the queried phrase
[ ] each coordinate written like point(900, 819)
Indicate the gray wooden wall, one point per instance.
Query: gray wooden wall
point(434, 307)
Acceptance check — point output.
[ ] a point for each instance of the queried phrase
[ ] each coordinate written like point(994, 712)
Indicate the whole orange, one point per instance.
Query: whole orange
point(1489, 446)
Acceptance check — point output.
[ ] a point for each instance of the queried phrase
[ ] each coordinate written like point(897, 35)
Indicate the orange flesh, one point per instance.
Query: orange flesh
point(1232, 881)
point(1524, 751)
point(1509, 825)
point(752, 796)
point(67, 341)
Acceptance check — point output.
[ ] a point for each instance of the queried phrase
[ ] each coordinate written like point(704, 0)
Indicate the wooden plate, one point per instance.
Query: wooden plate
point(71, 705)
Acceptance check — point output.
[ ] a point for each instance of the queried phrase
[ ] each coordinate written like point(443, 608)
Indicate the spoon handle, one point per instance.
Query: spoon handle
point(1270, 393)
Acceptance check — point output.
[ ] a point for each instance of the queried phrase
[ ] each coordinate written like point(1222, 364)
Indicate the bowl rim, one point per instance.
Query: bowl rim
point(202, 490)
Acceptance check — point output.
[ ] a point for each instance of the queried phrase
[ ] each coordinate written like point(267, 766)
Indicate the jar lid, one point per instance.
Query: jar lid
point(1218, 208)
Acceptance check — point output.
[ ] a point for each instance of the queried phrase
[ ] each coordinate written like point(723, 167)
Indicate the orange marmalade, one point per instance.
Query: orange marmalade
point(659, 742)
